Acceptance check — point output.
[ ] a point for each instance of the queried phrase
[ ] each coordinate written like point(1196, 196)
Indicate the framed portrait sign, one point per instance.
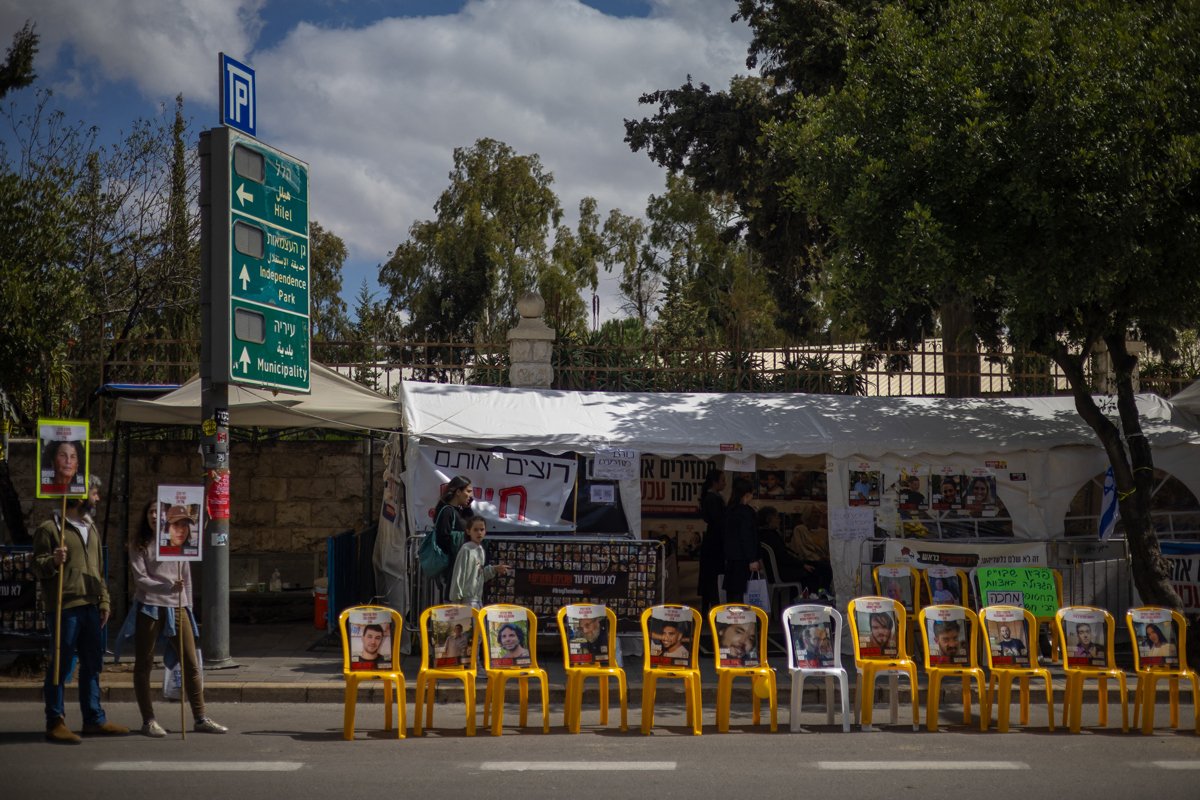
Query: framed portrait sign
point(1157, 637)
point(62, 458)
point(877, 626)
point(813, 635)
point(508, 638)
point(180, 523)
point(949, 633)
point(671, 635)
point(587, 638)
point(451, 629)
point(737, 636)
point(1085, 629)
point(370, 635)
point(1008, 636)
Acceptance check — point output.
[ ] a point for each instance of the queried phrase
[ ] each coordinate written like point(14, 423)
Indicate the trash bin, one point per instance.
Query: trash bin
point(321, 603)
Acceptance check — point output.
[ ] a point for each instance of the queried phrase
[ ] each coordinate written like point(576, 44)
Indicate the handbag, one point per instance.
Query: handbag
point(173, 678)
point(758, 593)
point(434, 561)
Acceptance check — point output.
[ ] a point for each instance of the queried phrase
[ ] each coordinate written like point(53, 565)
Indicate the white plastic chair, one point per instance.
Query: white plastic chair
point(780, 591)
point(826, 662)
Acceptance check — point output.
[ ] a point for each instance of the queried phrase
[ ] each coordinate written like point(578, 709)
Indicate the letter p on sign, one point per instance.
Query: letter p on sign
point(237, 96)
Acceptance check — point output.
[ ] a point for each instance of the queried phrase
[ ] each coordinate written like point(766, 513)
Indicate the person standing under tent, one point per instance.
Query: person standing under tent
point(741, 542)
point(712, 548)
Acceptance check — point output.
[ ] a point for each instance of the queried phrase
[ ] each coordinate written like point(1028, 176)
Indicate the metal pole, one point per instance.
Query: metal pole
point(214, 393)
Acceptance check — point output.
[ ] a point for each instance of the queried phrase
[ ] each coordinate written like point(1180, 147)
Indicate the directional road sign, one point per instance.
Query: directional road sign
point(264, 236)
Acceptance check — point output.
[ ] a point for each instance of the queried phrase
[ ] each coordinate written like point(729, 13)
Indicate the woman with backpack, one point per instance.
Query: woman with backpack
point(449, 518)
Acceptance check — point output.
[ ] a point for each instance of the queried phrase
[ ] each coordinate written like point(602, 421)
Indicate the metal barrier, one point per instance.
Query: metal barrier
point(551, 571)
point(1093, 573)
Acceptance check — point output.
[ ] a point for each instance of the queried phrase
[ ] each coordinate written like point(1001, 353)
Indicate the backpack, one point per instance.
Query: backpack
point(434, 561)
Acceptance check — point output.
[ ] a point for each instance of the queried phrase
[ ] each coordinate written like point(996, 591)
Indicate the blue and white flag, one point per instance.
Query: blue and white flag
point(1109, 514)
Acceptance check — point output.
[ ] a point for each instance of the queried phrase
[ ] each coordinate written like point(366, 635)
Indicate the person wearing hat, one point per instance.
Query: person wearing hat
point(82, 617)
point(181, 526)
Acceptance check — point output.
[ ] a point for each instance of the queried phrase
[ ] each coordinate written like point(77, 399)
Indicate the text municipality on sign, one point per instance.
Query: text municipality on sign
point(269, 266)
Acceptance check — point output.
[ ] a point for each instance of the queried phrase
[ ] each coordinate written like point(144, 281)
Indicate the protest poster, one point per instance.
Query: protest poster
point(1032, 588)
point(62, 458)
point(508, 637)
point(1007, 633)
point(737, 637)
point(587, 634)
point(370, 637)
point(180, 523)
point(671, 636)
point(451, 629)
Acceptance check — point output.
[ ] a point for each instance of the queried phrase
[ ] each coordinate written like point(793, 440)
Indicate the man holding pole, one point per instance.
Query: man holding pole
point(67, 553)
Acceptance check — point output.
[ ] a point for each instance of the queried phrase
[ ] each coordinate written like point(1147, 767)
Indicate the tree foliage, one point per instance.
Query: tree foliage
point(1036, 162)
point(17, 70)
point(327, 256)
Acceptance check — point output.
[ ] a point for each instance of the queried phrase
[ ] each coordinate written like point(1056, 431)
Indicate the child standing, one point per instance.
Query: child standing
point(470, 568)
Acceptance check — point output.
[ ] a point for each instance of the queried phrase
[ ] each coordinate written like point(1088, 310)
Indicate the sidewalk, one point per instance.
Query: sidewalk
point(293, 663)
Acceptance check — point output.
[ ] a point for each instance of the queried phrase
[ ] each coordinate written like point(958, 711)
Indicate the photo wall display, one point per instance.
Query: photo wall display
point(22, 607)
point(547, 575)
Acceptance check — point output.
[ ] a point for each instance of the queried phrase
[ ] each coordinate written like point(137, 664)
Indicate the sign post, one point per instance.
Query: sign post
point(254, 305)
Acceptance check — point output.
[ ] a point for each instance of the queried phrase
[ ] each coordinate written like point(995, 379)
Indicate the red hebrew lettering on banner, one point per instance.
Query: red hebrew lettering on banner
point(216, 496)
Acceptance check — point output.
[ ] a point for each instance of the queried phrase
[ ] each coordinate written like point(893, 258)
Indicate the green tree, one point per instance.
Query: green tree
point(572, 268)
point(1037, 161)
point(17, 70)
point(460, 275)
point(327, 256)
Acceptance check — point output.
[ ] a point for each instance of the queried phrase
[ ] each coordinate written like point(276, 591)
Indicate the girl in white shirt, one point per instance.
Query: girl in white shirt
point(471, 569)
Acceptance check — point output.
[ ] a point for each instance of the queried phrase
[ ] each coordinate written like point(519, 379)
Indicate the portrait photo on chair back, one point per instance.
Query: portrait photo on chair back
point(812, 640)
point(370, 635)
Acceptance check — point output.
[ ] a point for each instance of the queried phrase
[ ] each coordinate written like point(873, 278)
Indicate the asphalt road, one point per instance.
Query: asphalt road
point(297, 752)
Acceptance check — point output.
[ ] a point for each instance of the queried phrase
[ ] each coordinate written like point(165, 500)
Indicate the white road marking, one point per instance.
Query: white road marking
point(577, 766)
point(917, 765)
point(1176, 764)
point(199, 766)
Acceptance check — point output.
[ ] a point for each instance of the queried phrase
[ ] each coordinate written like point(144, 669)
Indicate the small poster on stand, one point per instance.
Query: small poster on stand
point(1157, 637)
point(508, 638)
point(671, 635)
point(451, 629)
point(587, 637)
point(180, 523)
point(737, 637)
point(370, 635)
point(62, 458)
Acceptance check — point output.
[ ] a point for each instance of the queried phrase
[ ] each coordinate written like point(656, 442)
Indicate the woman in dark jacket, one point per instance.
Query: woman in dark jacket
point(712, 550)
point(741, 541)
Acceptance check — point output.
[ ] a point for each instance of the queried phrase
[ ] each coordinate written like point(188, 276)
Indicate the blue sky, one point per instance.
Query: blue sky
point(376, 94)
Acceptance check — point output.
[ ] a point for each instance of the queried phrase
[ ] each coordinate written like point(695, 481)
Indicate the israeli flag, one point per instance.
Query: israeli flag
point(1109, 514)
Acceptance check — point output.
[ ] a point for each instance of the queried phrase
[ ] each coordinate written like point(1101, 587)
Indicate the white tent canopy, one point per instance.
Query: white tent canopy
point(334, 402)
point(768, 425)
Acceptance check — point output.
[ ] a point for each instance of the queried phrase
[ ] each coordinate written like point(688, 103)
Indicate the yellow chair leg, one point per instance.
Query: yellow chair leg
point(546, 705)
point(401, 710)
point(648, 685)
point(348, 712)
point(603, 700)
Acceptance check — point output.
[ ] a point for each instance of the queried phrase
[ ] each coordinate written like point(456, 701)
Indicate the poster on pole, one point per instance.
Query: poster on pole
point(180, 522)
point(62, 458)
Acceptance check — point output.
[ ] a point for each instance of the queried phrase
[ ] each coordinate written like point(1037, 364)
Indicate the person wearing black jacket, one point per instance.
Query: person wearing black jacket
point(712, 550)
point(741, 541)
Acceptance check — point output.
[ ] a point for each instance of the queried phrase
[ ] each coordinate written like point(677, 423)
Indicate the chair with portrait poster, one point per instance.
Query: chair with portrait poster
point(739, 634)
point(1160, 651)
point(510, 651)
point(946, 586)
point(1012, 655)
point(901, 582)
point(814, 649)
point(670, 649)
point(371, 651)
point(878, 627)
point(1087, 655)
point(951, 638)
point(449, 642)
point(589, 644)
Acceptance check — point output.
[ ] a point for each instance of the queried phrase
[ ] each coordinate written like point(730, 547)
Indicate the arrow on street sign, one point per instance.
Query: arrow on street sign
point(244, 277)
point(242, 195)
point(245, 360)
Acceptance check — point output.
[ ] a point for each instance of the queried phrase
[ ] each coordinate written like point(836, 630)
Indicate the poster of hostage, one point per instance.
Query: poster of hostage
point(370, 636)
point(62, 463)
point(180, 511)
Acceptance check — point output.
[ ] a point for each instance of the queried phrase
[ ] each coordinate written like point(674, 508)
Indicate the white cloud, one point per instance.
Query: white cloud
point(377, 110)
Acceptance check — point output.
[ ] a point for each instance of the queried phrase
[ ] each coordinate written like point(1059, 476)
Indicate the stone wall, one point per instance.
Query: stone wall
point(286, 497)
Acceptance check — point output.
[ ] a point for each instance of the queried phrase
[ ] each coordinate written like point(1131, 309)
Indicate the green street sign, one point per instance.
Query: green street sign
point(266, 241)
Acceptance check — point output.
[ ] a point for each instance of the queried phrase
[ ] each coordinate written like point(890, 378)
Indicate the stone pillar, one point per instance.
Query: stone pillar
point(529, 346)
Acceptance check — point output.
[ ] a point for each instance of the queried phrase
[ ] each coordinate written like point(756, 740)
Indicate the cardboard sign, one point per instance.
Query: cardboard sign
point(1032, 588)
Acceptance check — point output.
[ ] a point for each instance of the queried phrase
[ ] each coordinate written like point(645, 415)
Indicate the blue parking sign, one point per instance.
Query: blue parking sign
point(237, 96)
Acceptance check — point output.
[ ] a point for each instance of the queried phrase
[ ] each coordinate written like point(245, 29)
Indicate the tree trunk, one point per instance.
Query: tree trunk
point(960, 349)
point(1133, 470)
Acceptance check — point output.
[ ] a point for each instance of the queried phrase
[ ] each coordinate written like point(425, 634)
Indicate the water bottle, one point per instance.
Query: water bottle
point(276, 581)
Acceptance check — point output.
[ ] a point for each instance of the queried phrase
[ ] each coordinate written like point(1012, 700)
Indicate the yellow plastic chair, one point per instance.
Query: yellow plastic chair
point(952, 652)
point(449, 642)
point(1012, 658)
point(901, 582)
point(589, 644)
point(879, 618)
point(1088, 659)
point(814, 648)
point(352, 623)
point(955, 587)
point(1160, 651)
point(670, 639)
point(740, 651)
point(504, 625)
